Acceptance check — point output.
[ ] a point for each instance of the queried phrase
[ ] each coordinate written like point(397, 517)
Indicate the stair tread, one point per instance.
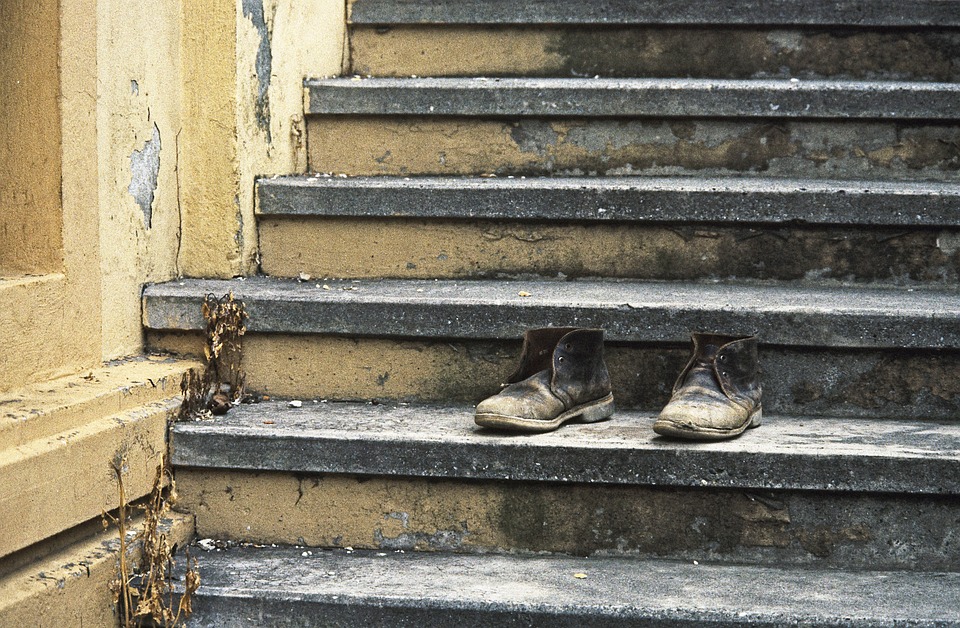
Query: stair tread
point(617, 97)
point(780, 314)
point(892, 455)
point(352, 588)
point(680, 199)
point(779, 12)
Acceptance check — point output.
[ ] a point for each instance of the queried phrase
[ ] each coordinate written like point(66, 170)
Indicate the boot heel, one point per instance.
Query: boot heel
point(603, 409)
point(756, 418)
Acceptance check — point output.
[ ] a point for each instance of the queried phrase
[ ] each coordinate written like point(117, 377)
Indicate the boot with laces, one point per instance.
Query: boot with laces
point(717, 395)
point(562, 376)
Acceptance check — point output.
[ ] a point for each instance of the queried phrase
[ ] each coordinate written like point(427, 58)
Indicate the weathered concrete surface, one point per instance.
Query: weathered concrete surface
point(42, 410)
point(826, 149)
point(663, 98)
point(653, 51)
point(792, 315)
point(58, 481)
point(442, 441)
point(315, 209)
point(656, 199)
point(854, 383)
point(279, 586)
point(835, 529)
point(779, 12)
point(71, 585)
point(138, 119)
point(454, 249)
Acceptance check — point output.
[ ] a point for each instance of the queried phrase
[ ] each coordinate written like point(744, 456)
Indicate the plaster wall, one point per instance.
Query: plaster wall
point(51, 321)
point(197, 99)
point(243, 65)
point(30, 217)
point(138, 117)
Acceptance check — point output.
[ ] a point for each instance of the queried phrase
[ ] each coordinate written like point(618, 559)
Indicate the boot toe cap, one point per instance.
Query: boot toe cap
point(701, 421)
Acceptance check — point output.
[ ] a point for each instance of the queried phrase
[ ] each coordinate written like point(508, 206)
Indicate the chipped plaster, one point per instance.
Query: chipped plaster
point(144, 170)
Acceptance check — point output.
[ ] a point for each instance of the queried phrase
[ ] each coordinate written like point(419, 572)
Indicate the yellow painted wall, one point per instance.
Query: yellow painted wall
point(139, 123)
point(243, 118)
point(131, 134)
point(30, 217)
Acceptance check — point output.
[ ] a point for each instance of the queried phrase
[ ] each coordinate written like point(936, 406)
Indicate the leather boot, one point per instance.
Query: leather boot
point(562, 376)
point(717, 395)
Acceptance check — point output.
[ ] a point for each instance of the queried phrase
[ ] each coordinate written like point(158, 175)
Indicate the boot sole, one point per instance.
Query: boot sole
point(677, 430)
point(587, 413)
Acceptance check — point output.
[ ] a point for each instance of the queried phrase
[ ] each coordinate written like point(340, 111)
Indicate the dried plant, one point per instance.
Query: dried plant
point(145, 595)
point(226, 325)
point(222, 383)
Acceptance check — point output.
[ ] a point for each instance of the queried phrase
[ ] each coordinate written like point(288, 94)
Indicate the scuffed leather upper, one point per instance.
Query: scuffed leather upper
point(719, 387)
point(572, 372)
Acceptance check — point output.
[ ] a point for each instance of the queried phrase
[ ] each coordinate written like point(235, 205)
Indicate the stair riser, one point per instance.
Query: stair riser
point(856, 383)
point(404, 145)
point(655, 51)
point(408, 248)
point(780, 527)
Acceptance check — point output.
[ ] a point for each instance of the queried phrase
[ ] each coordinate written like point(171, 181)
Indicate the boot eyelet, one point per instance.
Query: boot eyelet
point(560, 359)
point(567, 346)
point(723, 358)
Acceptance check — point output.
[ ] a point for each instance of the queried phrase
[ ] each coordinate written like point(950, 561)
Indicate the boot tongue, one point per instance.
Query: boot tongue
point(701, 373)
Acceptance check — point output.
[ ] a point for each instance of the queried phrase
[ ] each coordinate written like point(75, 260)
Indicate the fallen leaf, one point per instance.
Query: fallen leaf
point(580, 576)
point(523, 293)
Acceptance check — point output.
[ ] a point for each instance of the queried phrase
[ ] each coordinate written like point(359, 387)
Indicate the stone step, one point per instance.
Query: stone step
point(804, 129)
point(821, 454)
point(280, 586)
point(802, 491)
point(59, 438)
point(67, 581)
point(60, 481)
point(751, 12)
point(630, 98)
point(643, 228)
point(47, 408)
point(827, 349)
point(648, 199)
point(911, 53)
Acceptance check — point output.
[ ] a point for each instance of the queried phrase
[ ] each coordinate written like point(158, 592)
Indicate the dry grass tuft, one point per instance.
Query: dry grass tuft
point(144, 594)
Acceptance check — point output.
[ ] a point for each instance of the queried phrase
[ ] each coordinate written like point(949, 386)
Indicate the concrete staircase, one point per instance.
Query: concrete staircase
point(783, 168)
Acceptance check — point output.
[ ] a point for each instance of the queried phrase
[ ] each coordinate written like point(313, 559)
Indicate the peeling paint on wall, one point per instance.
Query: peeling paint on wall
point(144, 170)
point(253, 10)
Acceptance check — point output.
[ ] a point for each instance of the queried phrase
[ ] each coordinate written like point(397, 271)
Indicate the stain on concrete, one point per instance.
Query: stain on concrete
point(410, 248)
point(460, 146)
point(534, 136)
point(144, 171)
point(253, 10)
point(754, 52)
point(658, 51)
point(441, 540)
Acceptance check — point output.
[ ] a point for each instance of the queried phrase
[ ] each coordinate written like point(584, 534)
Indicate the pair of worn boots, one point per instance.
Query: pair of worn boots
point(562, 376)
